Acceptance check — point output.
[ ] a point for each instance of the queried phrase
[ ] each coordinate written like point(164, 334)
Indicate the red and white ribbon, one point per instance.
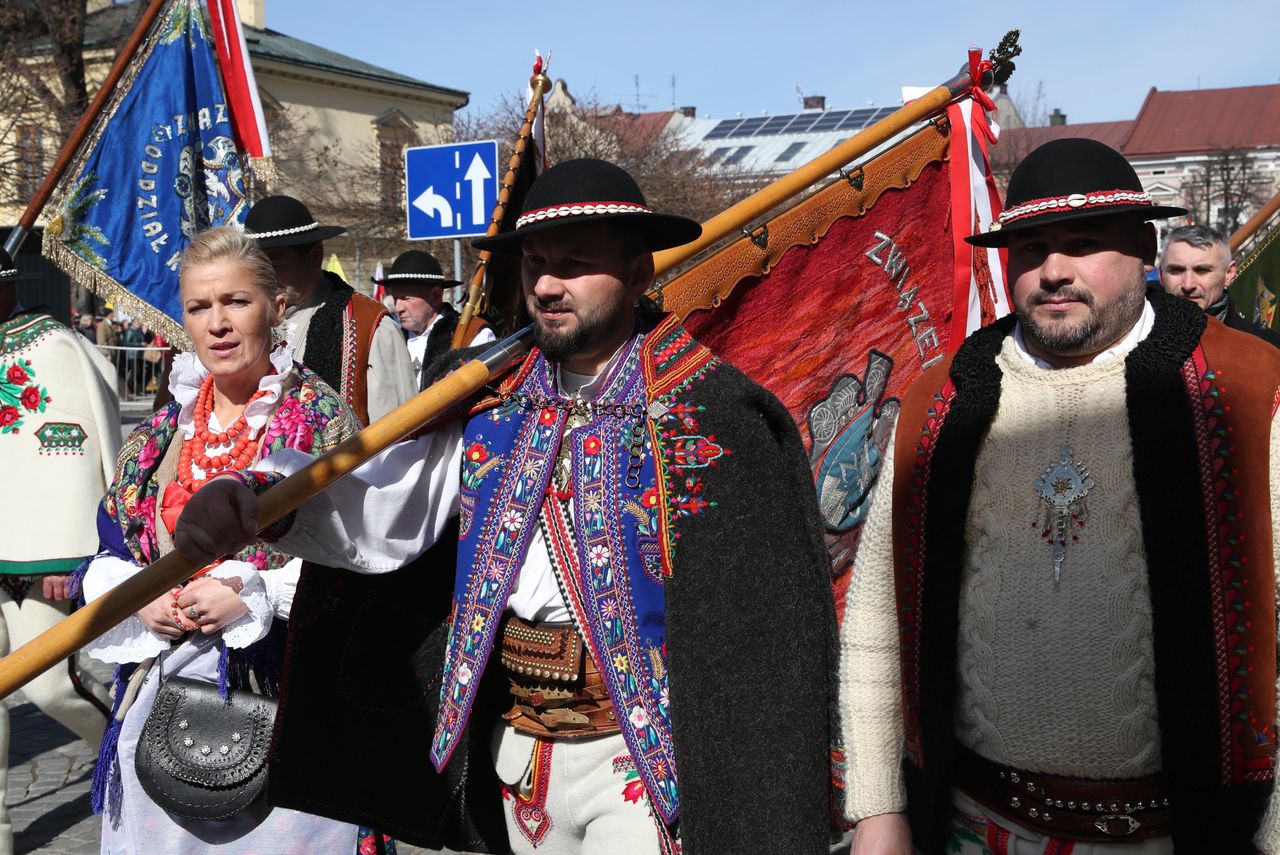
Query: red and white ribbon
point(237, 78)
point(975, 203)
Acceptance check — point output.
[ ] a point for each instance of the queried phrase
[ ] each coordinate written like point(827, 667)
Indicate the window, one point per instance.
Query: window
point(791, 151)
point(30, 160)
point(395, 132)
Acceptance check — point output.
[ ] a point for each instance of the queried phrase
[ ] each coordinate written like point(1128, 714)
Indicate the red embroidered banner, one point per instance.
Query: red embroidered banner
point(836, 306)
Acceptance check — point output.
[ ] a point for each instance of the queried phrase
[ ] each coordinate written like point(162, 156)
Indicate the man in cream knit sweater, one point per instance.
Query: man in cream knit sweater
point(1061, 633)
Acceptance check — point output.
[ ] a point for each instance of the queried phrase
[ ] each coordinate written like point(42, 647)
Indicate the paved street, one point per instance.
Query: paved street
point(49, 776)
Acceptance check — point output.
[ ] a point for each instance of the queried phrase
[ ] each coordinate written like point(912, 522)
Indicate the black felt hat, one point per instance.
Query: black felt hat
point(284, 221)
point(415, 267)
point(1070, 179)
point(9, 270)
point(589, 191)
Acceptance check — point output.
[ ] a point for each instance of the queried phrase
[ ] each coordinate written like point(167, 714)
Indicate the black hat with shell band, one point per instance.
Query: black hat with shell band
point(1070, 179)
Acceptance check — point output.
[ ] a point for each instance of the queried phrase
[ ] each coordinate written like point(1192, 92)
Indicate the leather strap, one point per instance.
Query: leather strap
point(558, 688)
point(1080, 809)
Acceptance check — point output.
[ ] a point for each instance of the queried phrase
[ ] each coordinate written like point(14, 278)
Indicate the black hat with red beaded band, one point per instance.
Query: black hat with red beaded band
point(590, 190)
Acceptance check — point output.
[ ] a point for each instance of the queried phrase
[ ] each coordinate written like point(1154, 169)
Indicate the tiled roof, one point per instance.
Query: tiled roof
point(1201, 120)
point(1185, 122)
point(637, 128)
point(108, 26)
point(1022, 140)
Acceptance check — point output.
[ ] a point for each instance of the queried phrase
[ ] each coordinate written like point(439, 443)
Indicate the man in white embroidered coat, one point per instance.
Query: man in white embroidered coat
point(59, 435)
point(1061, 631)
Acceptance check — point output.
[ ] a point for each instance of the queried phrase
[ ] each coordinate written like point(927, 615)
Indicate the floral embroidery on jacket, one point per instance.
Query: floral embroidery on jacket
point(20, 395)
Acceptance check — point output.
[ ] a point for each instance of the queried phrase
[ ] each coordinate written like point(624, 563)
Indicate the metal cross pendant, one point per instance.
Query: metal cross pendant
point(1062, 488)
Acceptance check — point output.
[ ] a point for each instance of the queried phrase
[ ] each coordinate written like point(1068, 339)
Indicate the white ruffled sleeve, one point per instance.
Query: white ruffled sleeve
point(129, 640)
point(281, 585)
point(254, 624)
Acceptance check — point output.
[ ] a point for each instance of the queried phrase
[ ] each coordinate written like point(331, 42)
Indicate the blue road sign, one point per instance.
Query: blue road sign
point(450, 190)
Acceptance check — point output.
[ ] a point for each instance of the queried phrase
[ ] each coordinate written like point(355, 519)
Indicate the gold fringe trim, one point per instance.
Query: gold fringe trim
point(109, 289)
point(264, 171)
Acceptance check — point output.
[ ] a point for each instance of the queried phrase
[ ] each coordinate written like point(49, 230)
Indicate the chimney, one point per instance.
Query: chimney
point(1057, 117)
point(689, 112)
point(815, 102)
point(253, 13)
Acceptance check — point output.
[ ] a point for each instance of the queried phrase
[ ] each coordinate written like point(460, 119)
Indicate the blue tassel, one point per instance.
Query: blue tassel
point(223, 686)
point(108, 789)
point(75, 581)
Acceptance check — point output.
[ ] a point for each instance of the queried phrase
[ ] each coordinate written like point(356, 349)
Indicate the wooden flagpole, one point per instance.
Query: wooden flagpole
point(541, 84)
point(54, 645)
point(1255, 222)
point(86, 624)
point(734, 220)
point(19, 234)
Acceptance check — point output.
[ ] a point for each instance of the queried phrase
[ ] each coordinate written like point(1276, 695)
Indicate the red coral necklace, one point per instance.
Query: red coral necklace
point(243, 443)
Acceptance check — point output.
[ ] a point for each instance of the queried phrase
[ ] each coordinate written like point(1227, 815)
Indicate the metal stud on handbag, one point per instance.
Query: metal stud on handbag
point(203, 757)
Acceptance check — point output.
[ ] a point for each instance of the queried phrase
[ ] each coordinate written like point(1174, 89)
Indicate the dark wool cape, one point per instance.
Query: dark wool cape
point(1200, 399)
point(751, 633)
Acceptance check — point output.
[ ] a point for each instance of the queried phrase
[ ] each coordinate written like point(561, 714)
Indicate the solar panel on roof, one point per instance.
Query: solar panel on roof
point(775, 125)
point(738, 155)
point(748, 127)
point(802, 123)
point(723, 129)
point(856, 120)
point(883, 112)
point(829, 120)
point(791, 151)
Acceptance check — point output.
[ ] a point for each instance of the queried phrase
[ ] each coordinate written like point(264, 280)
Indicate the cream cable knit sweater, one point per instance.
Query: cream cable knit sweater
point(1053, 680)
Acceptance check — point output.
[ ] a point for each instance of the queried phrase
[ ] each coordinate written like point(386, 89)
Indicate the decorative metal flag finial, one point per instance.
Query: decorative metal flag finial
point(1062, 488)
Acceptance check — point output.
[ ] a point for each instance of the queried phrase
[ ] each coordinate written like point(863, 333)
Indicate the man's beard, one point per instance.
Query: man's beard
point(1098, 330)
point(559, 345)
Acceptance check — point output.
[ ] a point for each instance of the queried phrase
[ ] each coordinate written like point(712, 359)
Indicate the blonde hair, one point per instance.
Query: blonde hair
point(230, 244)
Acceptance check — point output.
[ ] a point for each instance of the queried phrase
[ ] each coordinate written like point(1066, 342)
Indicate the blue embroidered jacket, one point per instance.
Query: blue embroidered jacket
point(619, 524)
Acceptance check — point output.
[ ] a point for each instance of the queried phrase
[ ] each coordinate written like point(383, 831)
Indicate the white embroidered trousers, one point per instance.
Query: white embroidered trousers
point(574, 797)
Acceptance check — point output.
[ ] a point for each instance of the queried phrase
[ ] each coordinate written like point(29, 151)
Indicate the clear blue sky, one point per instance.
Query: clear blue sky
point(1096, 59)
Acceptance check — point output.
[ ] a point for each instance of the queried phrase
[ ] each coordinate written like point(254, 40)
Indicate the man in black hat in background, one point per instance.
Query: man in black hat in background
point(640, 644)
point(347, 338)
point(416, 284)
point(1062, 612)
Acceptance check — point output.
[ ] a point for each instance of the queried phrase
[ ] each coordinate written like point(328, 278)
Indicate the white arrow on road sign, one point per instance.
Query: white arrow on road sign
point(429, 203)
point(477, 172)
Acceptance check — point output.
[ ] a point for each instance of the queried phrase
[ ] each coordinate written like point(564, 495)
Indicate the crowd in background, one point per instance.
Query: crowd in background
point(137, 352)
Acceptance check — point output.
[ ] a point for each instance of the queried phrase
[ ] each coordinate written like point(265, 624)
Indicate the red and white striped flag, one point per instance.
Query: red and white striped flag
point(237, 77)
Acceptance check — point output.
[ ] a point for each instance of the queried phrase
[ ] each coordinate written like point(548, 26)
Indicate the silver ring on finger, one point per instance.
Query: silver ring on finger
point(193, 613)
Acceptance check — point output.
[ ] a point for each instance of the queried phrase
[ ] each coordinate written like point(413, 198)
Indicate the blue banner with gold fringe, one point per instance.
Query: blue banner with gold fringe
point(160, 165)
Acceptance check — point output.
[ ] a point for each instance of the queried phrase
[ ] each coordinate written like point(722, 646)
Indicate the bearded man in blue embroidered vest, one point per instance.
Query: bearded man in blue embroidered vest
point(1061, 634)
point(637, 652)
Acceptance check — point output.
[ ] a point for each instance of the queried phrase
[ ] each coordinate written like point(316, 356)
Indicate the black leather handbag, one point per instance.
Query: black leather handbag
point(202, 757)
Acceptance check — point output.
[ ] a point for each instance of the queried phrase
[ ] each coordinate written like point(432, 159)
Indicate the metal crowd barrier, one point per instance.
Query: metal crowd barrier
point(138, 370)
